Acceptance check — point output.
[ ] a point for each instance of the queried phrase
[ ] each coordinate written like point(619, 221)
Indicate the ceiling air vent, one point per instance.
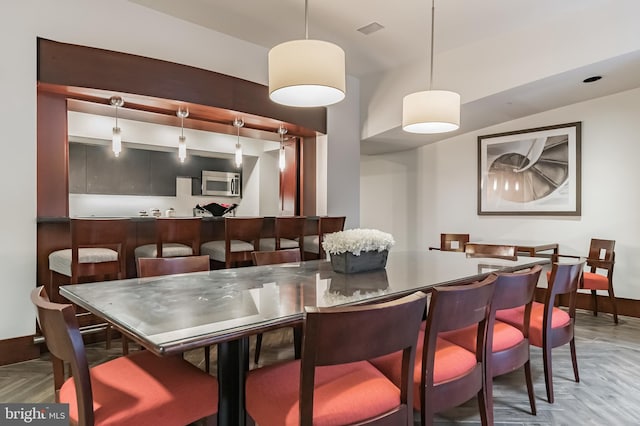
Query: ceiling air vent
point(371, 28)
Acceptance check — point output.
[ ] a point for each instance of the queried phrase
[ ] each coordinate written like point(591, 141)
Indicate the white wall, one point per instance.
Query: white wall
point(140, 31)
point(446, 188)
point(269, 183)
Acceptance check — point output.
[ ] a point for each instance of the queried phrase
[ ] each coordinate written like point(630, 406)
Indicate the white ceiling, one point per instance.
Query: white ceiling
point(405, 40)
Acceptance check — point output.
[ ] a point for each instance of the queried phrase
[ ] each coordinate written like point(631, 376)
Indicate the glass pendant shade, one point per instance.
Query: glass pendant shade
point(182, 148)
point(238, 155)
point(431, 111)
point(116, 141)
point(307, 73)
point(281, 159)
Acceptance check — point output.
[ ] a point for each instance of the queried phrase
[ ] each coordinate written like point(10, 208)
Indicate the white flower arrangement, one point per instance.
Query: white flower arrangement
point(357, 241)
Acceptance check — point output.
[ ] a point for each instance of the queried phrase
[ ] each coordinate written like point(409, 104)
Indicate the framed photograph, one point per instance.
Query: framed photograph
point(530, 172)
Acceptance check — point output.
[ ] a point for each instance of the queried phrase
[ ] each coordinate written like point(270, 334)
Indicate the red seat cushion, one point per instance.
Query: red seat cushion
point(505, 336)
point(515, 317)
point(451, 362)
point(344, 394)
point(593, 281)
point(144, 389)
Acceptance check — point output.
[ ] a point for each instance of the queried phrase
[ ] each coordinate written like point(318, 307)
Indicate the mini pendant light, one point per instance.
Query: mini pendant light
point(281, 158)
point(431, 111)
point(182, 140)
point(238, 122)
point(307, 73)
point(116, 137)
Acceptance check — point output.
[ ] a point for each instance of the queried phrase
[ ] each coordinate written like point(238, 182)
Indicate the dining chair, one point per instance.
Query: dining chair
point(241, 238)
point(599, 274)
point(496, 251)
point(141, 388)
point(261, 258)
point(289, 233)
point(452, 242)
point(507, 346)
point(334, 383)
point(158, 266)
point(313, 243)
point(550, 326)
point(174, 237)
point(446, 375)
point(98, 252)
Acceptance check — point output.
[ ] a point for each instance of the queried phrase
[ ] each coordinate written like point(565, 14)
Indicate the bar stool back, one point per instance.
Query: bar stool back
point(313, 243)
point(288, 235)
point(174, 237)
point(241, 238)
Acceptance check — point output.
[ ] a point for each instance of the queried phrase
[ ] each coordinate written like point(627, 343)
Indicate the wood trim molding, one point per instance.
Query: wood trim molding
point(18, 349)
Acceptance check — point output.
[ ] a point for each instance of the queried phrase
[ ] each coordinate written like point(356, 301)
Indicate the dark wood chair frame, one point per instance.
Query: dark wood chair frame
point(495, 251)
point(454, 308)
point(261, 258)
point(60, 328)
point(446, 241)
point(292, 228)
point(327, 225)
point(243, 229)
point(595, 263)
point(178, 230)
point(340, 335)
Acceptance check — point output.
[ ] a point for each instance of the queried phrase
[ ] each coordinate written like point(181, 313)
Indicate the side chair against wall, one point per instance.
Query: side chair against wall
point(131, 390)
point(174, 237)
point(550, 327)
point(157, 266)
point(313, 243)
point(98, 252)
point(334, 383)
point(495, 251)
point(241, 238)
point(452, 242)
point(507, 346)
point(446, 375)
point(261, 258)
point(289, 233)
point(599, 275)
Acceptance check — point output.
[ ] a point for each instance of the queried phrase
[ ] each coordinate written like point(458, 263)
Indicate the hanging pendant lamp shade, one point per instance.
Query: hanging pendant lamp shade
point(306, 73)
point(431, 111)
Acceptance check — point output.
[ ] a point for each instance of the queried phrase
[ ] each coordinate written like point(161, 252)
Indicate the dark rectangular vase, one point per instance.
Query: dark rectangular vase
point(348, 263)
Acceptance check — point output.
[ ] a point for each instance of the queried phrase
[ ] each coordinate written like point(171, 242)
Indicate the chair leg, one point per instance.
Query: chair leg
point(574, 359)
point(483, 403)
point(532, 396)
point(207, 358)
point(108, 332)
point(612, 298)
point(256, 356)
point(297, 341)
point(594, 296)
point(548, 373)
point(125, 345)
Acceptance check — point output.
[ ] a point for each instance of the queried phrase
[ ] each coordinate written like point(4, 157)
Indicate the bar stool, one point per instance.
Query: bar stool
point(289, 234)
point(174, 237)
point(241, 238)
point(313, 243)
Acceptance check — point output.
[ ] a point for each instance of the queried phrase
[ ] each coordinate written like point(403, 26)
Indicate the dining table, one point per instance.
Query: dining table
point(175, 313)
point(533, 248)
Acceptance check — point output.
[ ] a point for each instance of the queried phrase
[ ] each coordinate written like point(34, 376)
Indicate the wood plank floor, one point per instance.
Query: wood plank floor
point(608, 359)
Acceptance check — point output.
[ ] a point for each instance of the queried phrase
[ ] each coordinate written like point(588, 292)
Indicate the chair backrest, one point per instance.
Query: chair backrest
point(59, 327)
point(602, 255)
point(564, 279)
point(340, 335)
point(156, 266)
point(515, 289)
point(491, 250)
point(453, 242)
point(276, 256)
point(454, 308)
point(327, 225)
point(291, 227)
point(243, 229)
point(178, 230)
point(106, 233)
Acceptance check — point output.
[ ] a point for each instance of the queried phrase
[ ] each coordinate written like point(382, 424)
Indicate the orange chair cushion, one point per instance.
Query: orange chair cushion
point(505, 336)
point(344, 394)
point(591, 281)
point(144, 389)
point(451, 362)
point(515, 317)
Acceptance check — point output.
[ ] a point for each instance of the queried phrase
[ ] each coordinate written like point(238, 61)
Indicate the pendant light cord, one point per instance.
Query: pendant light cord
point(306, 19)
point(433, 13)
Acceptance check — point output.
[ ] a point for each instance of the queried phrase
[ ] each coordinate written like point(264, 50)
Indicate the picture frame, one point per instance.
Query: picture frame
point(534, 172)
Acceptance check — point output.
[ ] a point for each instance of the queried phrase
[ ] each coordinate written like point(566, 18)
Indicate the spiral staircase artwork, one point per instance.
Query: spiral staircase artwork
point(526, 178)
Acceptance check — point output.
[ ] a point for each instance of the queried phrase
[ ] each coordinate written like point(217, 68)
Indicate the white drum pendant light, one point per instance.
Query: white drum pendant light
point(431, 111)
point(307, 73)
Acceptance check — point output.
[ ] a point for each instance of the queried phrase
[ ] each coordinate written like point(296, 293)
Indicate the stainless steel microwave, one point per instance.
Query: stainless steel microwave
point(226, 184)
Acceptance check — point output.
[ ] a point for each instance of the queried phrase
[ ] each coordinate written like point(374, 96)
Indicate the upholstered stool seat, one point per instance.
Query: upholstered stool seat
point(216, 249)
point(269, 244)
point(168, 250)
point(241, 238)
point(60, 260)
